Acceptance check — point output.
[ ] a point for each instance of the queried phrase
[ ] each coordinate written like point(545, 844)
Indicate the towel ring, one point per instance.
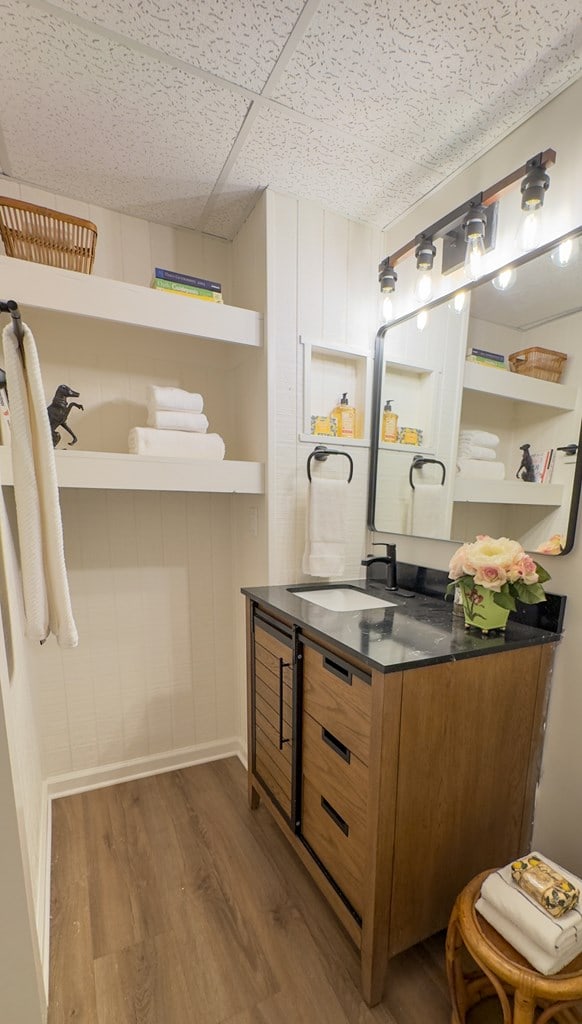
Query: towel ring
point(419, 461)
point(320, 454)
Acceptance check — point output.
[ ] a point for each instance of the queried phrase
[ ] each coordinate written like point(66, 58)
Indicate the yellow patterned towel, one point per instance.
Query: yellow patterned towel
point(554, 893)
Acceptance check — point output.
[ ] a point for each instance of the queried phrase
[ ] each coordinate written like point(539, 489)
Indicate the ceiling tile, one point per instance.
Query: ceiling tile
point(95, 121)
point(315, 162)
point(238, 40)
point(443, 80)
point(228, 211)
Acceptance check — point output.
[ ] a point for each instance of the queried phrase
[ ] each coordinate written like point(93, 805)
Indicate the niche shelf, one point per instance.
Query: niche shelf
point(518, 387)
point(507, 492)
point(328, 371)
point(119, 471)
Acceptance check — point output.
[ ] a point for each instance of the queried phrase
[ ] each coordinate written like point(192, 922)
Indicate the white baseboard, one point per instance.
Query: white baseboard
point(140, 767)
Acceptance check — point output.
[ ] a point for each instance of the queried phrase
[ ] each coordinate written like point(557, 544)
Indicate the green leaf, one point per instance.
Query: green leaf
point(543, 575)
point(505, 600)
point(529, 594)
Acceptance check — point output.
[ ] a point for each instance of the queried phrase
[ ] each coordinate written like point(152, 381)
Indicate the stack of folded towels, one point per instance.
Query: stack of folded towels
point(176, 427)
point(477, 455)
point(534, 904)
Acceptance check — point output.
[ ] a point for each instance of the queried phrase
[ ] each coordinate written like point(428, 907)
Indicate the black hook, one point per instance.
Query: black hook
point(419, 461)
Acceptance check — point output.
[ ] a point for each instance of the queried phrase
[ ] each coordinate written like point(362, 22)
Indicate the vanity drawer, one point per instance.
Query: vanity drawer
point(336, 771)
point(336, 695)
point(338, 842)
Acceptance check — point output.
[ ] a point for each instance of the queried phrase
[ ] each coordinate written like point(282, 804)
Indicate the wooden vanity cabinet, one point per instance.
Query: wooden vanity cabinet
point(402, 785)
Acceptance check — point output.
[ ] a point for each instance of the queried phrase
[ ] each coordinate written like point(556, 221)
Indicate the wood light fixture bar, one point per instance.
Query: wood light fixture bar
point(452, 219)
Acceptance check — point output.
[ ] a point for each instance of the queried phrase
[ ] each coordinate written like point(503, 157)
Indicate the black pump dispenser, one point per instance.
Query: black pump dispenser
point(344, 399)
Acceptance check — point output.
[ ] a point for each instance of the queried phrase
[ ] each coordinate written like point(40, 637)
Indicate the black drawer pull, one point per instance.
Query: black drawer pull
point(342, 671)
point(335, 817)
point(337, 747)
point(282, 665)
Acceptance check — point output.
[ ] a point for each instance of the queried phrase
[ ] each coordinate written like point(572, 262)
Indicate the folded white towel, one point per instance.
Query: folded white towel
point(479, 437)
point(173, 398)
point(45, 585)
point(179, 444)
point(173, 419)
point(326, 528)
point(476, 451)
point(554, 935)
point(480, 469)
point(429, 510)
point(544, 962)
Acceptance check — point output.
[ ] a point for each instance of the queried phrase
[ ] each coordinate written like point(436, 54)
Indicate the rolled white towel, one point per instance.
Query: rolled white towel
point(480, 469)
point(173, 398)
point(544, 962)
point(554, 935)
point(479, 437)
point(179, 444)
point(173, 419)
point(476, 451)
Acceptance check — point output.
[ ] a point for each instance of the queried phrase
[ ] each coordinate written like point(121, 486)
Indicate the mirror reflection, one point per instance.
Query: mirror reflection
point(478, 412)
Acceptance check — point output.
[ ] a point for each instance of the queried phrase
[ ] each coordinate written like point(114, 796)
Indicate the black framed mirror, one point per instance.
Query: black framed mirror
point(477, 408)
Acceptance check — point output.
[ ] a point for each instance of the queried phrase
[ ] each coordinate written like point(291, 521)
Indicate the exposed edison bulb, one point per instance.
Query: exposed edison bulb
point(387, 309)
point(459, 302)
point(505, 279)
point(423, 290)
point(474, 257)
point(564, 252)
point(422, 319)
point(531, 230)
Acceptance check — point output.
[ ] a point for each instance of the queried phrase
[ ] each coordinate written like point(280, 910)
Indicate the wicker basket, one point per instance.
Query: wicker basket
point(542, 363)
point(45, 236)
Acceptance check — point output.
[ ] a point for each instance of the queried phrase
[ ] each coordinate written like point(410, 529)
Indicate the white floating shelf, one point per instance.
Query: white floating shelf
point(117, 471)
point(507, 492)
point(66, 291)
point(410, 449)
point(348, 442)
point(518, 387)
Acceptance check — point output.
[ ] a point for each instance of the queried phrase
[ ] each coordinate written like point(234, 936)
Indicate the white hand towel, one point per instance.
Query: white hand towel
point(326, 528)
point(479, 469)
point(554, 935)
point(45, 585)
point(428, 510)
point(173, 398)
point(479, 437)
point(544, 962)
point(178, 444)
point(173, 419)
point(476, 451)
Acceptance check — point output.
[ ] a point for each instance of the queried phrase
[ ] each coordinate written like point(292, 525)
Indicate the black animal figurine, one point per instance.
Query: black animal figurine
point(526, 469)
point(59, 410)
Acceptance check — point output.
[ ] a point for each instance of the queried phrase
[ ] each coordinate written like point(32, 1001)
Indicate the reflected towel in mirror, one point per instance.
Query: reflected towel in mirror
point(428, 510)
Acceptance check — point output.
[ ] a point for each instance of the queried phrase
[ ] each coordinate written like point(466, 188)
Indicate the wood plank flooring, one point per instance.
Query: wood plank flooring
point(172, 903)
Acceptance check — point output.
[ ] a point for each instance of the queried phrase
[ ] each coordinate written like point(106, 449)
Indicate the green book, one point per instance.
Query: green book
point(187, 289)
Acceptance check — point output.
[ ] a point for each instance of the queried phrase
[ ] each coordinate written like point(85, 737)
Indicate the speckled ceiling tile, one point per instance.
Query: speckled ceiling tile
point(238, 40)
point(228, 212)
point(352, 178)
point(444, 80)
point(98, 122)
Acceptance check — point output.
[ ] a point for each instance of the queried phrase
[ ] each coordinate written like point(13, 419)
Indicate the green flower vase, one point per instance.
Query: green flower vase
point(480, 609)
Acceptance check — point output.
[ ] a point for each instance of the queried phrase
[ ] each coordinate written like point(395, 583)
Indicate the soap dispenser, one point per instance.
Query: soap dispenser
point(389, 423)
point(345, 416)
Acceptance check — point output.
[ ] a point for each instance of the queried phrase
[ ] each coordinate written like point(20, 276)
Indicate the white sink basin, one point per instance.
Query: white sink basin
point(342, 599)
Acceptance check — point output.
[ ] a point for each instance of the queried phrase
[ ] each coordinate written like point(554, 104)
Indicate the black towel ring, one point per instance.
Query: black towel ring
point(419, 461)
point(320, 454)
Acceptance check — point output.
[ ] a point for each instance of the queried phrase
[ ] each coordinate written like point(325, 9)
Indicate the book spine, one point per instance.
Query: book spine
point(486, 362)
point(217, 299)
point(188, 289)
point(549, 465)
point(196, 282)
point(484, 354)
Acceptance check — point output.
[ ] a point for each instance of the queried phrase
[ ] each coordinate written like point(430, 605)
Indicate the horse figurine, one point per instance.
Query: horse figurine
point(59, 410)
point(526, 469)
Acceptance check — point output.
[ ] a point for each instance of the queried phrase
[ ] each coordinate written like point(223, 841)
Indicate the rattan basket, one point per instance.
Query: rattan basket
point(45, 236)
point(542, 363)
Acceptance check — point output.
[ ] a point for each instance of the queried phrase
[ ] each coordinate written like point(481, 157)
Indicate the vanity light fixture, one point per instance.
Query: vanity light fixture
point(505, 279)
point(563, 253)
point(474, 228)
point(425, 254)
point(422, 320)
point(533, 190)
point(460, 229)
point(387, 309)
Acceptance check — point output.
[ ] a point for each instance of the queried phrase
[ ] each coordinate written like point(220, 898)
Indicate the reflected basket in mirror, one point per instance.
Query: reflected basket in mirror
point(542, 363)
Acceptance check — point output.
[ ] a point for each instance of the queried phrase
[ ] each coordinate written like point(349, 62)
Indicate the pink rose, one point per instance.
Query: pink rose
point(554, 546)
point(457, 563)
point(490, 576)
point(527, 570)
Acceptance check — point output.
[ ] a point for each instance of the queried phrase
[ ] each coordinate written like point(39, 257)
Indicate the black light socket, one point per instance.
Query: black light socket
point(533, 188)
point(425, 253)
point(387, 277)
point(475, 222)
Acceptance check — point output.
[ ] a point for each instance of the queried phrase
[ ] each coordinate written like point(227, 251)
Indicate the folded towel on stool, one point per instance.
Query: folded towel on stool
point(544, 962)
point(173, 398)
point(174, 419)
point(178, 444)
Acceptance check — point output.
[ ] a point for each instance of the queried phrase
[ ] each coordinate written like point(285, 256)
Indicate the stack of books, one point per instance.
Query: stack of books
point(543, 465)
point(182, 284)
point(485, 358)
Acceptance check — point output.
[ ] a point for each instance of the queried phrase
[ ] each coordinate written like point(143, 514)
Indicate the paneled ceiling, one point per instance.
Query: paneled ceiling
point(182, 111)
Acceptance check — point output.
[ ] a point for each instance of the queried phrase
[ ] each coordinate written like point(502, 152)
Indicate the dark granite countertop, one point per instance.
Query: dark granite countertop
point(418, 631)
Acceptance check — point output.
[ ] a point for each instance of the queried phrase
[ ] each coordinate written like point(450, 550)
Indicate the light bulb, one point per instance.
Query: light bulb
point(564, 252)
point(474, 257)
point(387, 309)
point(504, 280)
point(459, 302)
point(422, 319)
point(531, 230)
point(423, 290)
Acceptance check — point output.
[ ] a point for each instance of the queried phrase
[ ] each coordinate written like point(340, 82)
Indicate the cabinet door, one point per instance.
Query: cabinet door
point(273, 703)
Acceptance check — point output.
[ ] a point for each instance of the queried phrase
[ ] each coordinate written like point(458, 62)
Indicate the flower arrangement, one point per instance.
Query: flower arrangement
point(554, 546)
point(500, 566)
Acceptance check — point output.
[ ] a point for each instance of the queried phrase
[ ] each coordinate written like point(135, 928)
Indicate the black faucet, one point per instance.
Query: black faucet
point(389, 560)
